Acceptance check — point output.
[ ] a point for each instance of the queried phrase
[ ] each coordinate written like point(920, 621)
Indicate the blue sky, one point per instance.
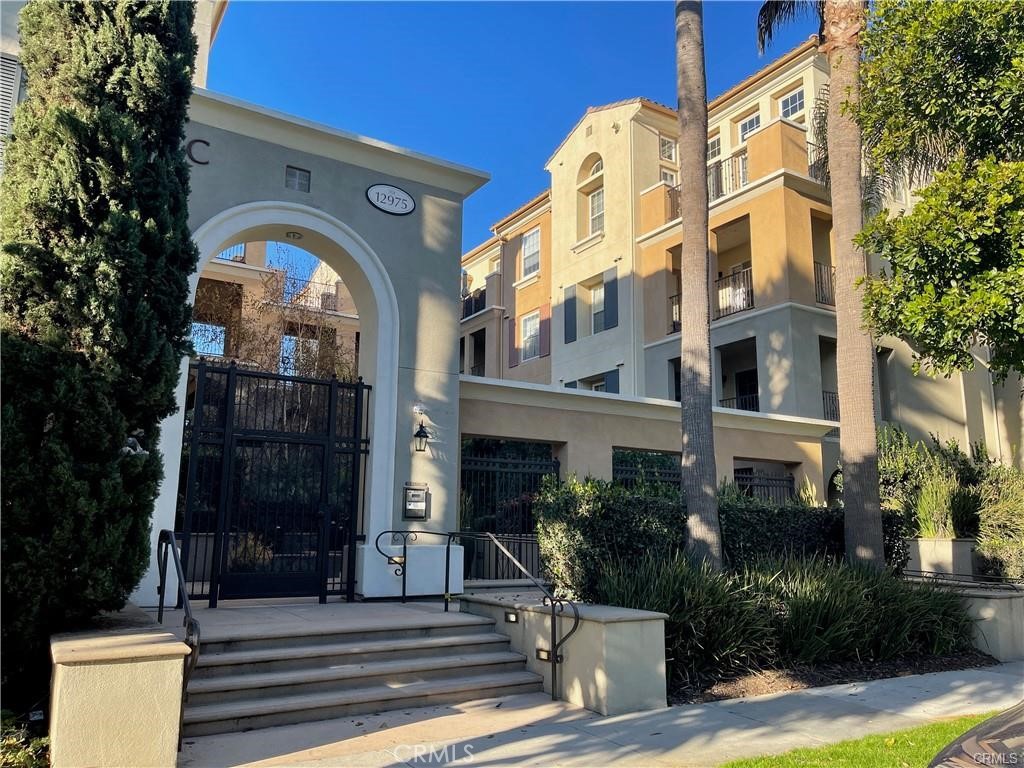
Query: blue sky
point(492, 85)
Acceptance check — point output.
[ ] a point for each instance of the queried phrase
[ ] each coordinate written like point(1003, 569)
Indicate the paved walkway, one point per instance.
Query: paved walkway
point(532, 730)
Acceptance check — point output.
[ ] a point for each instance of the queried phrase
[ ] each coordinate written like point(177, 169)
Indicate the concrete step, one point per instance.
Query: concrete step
point(323, 655)
point(245, 687)
point(284, 710)
point(247, 638)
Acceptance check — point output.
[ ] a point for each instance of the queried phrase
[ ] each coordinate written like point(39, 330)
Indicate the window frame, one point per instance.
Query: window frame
point(523, 274)
point(597, 289)
point(531, 316)
point(798, 91)
point(743, 135)
point(303, 179)
point(674, 176)
point(664, 141)
point(220, 336)
point(591, 216)
point(717, 141)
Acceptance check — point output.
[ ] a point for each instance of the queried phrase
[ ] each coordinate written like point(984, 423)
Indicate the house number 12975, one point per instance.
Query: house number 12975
point(390, 199)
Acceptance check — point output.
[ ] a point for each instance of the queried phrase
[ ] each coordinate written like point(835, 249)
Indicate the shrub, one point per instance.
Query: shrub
point(1001, 523)
point(716, 626)
point(943, 508)
point(583, 525)
point(19, 748)
point(97, 252)
point(776, 613)
point(827, 611)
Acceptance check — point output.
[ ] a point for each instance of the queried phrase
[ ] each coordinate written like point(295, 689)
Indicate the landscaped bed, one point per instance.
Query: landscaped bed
point(912, 748)
point(802, 676)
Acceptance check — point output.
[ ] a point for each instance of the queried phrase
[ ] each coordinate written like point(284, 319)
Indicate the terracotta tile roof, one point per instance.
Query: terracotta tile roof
point(533, 202)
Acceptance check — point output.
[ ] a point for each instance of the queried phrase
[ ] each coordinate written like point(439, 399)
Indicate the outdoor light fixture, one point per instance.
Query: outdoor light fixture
point(511, 617)
point(543, 654)
point(421, 436)
point(292, 235)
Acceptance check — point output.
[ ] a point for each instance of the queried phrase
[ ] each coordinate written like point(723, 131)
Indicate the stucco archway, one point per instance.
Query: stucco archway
point(341, 248)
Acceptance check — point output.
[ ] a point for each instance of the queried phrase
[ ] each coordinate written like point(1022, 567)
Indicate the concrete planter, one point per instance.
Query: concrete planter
point(952, 556)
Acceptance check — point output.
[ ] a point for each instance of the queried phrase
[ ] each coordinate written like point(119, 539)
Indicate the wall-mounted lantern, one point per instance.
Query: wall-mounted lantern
point(421, 436)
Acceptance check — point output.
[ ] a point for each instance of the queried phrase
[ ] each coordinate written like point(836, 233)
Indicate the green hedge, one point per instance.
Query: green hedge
point(584, 524)
point(779, 613)
point(1001, 528)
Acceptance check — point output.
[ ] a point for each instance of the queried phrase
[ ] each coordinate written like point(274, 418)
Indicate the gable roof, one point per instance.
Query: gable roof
point(638, 100)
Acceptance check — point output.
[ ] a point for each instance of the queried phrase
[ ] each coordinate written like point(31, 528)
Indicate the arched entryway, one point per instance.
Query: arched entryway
point(344, 251)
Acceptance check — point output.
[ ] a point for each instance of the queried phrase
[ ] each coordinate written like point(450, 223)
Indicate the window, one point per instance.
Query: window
point(667, 148)
point(596, 202)
point(531, 252)
point(749, 125)
point(714, 148)
point(529, 327)
point(296, 178)
point(598, 386)
point(792, 104)
point(669, 177)
point(298, 355)
point(597, 167)
point(209, 339)
point(597, 308)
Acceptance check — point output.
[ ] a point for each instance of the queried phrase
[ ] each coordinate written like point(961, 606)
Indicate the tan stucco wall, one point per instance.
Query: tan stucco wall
point(584, 427)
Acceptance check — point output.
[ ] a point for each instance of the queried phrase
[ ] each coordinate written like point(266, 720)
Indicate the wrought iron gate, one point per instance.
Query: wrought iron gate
point(271, 487)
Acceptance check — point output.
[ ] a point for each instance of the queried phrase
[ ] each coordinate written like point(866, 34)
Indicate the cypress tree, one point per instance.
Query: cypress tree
point(96, 254)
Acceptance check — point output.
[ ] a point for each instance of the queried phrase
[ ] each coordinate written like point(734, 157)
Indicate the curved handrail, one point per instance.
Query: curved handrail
point(167, 546)
point(557, 604)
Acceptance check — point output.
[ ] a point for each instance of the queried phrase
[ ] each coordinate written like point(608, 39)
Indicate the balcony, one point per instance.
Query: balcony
point(824, 284)
point(742, 403)
point(734, 293)
point(727, 176)
point(830, 403)
point(296, 293)
point(674, 325)
point(474, 302)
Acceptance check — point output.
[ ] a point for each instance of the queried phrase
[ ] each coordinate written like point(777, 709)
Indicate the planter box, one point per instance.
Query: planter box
point(952, 556)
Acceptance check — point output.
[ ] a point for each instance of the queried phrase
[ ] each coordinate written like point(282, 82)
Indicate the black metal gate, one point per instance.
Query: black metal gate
point(271, 487)
point(497, 497)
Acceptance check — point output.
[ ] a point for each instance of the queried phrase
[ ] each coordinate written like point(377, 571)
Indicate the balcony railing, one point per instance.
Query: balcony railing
point(474, 302)
point(742, 403)
point(295, 293)
point(830, 403)
point(727, 175)
point(824, 284)
point(817, 162)
point(674, 325)
point(734, 293)
point(235, 253)
point(770, 487)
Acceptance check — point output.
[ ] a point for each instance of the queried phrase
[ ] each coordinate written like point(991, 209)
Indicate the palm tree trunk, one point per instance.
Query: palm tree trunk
point(855, 352)
point(704, 539)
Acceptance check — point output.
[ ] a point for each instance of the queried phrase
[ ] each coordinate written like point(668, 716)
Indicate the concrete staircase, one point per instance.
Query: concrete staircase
point(247, 680)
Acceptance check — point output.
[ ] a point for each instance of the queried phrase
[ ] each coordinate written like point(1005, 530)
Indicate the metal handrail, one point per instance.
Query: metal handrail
point(557, 604)
point(167, 545)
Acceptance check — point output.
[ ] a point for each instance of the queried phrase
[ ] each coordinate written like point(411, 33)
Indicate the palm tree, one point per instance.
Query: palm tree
point(704, 540)
point(841, 22)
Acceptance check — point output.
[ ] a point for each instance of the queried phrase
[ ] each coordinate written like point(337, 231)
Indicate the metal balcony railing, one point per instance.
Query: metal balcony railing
point(296, 293)
point(674, 325)
point(727, 175)
point(734, 293)
point(830, 403)
point(817, 162)
point(742, 403)
point(474, 302)
point(824, 284)
point(235, 253)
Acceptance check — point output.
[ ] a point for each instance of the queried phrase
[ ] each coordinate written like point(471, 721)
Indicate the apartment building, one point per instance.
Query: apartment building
point(614, 275)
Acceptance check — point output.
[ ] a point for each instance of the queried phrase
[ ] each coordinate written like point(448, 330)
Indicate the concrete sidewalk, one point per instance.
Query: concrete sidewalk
point(533, 730)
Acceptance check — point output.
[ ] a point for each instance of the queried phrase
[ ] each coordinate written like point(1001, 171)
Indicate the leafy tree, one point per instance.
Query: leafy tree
point(698, 445)
point(96, 253)
point(943, 90)
point(841, 25)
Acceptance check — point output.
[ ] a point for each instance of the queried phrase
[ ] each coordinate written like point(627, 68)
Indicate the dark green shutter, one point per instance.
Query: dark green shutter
point(569, 314)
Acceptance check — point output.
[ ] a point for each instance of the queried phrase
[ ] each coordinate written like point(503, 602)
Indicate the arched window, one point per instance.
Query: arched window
point(590, 197)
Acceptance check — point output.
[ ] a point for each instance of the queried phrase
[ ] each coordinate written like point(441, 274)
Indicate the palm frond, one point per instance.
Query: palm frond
point(775, 13)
